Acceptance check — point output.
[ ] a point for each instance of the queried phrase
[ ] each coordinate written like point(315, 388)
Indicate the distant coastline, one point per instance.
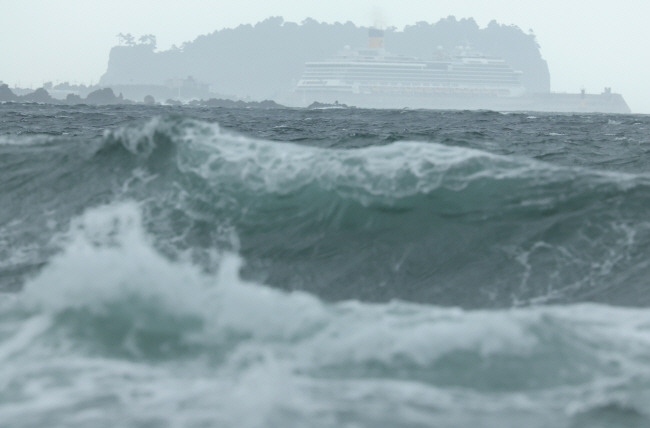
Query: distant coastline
point(106, 96)
point(556, 102)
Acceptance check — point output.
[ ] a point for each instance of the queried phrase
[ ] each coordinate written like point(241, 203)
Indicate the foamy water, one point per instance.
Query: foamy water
point(171, 273)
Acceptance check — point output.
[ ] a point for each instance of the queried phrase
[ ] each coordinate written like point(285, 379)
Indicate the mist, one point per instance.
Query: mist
point(587, 45)
point(327, 213)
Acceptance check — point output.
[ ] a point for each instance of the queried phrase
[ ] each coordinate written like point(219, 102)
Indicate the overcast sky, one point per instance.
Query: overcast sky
point(587, 43)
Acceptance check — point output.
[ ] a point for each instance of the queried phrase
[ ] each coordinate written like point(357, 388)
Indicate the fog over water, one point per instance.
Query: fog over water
point(587, 44)
point(216, 214)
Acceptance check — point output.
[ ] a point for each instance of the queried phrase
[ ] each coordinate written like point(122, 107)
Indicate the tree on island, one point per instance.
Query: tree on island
point(129, 40)
point(148, 39)
point(126, 39)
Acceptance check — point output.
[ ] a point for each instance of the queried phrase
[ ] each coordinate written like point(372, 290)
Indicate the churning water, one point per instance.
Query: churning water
point(180, 267)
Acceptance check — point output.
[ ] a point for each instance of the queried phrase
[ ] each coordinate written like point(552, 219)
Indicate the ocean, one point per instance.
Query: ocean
point(196, 267)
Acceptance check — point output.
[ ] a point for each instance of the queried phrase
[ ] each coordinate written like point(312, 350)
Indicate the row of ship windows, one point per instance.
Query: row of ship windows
point(407, 65)
point(399, 66)
point(411, 69)
point(406, 72)
point(351, 75)
point(416, 78)
point(349, 83)
point(432, 89)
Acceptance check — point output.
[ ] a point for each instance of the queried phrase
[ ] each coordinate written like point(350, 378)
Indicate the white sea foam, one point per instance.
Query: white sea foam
point(25, 140)
point(110, 259)
point(263, 357)
point(396, 170)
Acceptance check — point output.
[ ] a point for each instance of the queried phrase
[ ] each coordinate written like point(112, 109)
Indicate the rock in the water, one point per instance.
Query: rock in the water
point(6, 94)
point(74, 99)
point(38, 96)
point(102, 96)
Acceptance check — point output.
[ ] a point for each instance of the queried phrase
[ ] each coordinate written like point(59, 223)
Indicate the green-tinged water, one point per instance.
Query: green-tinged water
point(251, 268)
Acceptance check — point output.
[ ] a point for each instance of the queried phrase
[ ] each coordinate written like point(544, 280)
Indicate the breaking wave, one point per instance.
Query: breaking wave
point(131, 335)
point(170, 273)
point(422, 222)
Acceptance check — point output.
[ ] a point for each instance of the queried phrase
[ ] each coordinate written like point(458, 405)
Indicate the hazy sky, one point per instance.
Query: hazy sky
point(588, 43)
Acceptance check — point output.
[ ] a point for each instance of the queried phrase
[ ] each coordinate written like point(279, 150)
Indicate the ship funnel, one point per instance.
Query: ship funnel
point(375, 38)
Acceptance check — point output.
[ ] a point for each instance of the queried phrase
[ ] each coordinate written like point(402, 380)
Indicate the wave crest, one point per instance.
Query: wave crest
point(416, 221)
point(113, 308)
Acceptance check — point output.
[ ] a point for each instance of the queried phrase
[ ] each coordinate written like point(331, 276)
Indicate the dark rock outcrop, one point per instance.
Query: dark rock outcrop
point(73, 99)
point(6, 94)
point(39, 96)
point(317, 105)
point(214, 102)
point(103, 96)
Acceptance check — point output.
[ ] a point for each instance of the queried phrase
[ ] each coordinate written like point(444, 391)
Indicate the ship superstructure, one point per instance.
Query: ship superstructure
point(376, 71)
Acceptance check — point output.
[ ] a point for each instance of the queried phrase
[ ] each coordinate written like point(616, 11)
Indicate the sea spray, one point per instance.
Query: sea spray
point(141, 332)
point(402, 220)
point(408, 268)
point(408, 216)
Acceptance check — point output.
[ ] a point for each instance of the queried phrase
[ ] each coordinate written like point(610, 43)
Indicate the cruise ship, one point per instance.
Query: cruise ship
point(374, 71)
point(375, 78)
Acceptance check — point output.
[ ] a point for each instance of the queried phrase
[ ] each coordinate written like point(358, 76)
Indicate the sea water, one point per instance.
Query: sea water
point(190, 267)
